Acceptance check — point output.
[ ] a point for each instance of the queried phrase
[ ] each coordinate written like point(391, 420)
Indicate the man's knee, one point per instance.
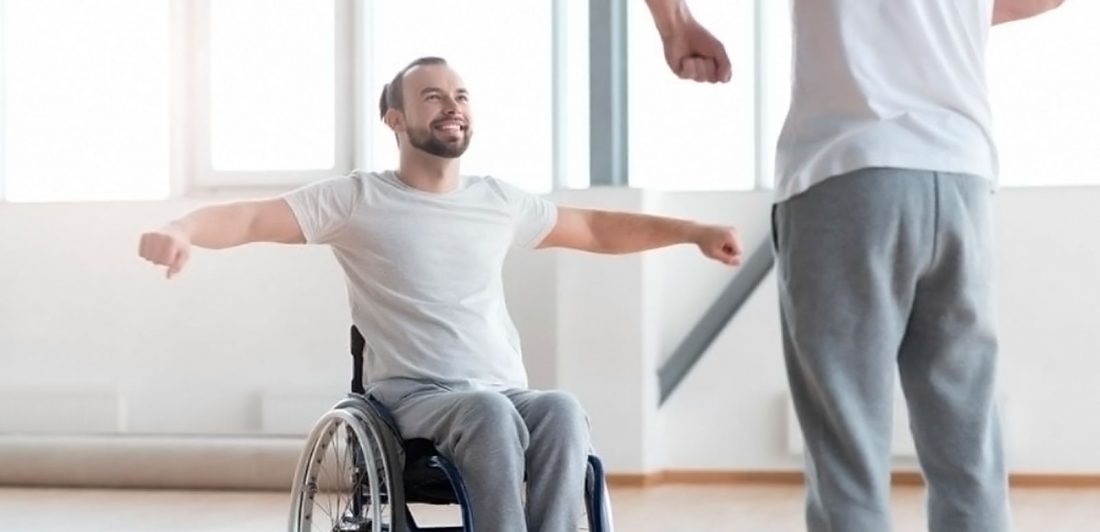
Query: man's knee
point(563, 413)
point(490, 415)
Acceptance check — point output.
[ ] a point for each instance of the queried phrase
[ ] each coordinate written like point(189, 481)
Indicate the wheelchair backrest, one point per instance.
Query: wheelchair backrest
point(358, 343)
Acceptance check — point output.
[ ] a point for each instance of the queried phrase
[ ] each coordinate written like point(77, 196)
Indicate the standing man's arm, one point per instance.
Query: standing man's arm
point(691, 51)
point(220, 226)
point(621, 232)
point(1010, 10)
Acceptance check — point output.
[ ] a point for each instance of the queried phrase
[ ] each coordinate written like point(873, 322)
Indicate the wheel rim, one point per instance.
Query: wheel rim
point(339, 493)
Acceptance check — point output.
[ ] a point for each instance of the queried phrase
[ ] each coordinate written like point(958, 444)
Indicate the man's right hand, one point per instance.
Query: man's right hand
point(167, 247)
point(694, 53)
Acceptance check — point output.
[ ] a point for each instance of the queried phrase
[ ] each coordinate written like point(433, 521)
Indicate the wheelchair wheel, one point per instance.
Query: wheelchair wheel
point(597, 501)
point(343, 479)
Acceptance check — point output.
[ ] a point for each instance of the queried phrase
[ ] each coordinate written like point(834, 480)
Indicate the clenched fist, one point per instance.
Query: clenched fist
point(720, 243)
point(167, 247)
point(694, 53)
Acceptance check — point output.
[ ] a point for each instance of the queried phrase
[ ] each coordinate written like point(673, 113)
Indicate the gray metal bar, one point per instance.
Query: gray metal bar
point(607, 21)
point(692, 348)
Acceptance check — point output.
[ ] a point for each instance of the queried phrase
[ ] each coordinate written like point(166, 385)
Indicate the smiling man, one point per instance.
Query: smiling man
point(423, 248)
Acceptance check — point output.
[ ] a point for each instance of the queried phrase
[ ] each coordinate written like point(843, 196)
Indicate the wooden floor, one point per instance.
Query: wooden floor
point(664, 508)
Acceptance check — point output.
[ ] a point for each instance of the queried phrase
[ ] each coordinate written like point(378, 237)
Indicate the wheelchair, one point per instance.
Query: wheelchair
point(357, 474)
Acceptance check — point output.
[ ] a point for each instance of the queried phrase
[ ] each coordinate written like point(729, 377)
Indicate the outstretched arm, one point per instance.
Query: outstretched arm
point(621, 232)
point(1010, 10)
point(220, 226)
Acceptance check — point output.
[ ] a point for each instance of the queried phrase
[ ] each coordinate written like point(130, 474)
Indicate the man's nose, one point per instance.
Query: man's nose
point(450, 105)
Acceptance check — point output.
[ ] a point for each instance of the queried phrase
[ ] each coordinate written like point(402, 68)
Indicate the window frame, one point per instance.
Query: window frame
point(200, 175)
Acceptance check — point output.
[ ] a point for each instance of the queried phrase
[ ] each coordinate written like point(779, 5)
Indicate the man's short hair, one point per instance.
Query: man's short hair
point(393, 96)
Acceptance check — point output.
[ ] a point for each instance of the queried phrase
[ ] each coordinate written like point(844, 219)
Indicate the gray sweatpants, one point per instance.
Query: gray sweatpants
point(493, 438)
point(883, 271)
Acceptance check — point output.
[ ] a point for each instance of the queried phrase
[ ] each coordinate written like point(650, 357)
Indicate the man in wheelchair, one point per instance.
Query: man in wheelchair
point(423, 247)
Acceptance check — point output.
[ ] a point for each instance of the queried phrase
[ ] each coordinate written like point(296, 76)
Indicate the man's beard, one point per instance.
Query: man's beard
point(425, 140)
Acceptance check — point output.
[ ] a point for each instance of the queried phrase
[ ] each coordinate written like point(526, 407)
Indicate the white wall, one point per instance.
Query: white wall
point(94, 340)
point(80, 311)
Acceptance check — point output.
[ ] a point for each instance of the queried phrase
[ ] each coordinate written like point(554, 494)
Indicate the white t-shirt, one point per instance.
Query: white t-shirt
point(886, 83)
point(424, 271)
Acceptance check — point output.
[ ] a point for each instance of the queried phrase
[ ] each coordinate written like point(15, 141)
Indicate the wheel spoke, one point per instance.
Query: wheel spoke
point(346, 466)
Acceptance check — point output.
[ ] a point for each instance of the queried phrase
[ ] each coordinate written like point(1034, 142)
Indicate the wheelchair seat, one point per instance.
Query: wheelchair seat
point(425, 481)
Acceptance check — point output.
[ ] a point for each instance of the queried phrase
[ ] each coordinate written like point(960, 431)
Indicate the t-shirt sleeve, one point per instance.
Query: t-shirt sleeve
point(534, 215)
point(324, 208)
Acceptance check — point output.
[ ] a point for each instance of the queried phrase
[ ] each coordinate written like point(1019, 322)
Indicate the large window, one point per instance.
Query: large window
point(774, 98)
point(686, 135)
point(272, 91)
point(272, 84)
point(140, 99)
point(1044, 85)
point(573, 93)
point(86, 99)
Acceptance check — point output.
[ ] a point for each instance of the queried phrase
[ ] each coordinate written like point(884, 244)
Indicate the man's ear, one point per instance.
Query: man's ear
point(395, 120)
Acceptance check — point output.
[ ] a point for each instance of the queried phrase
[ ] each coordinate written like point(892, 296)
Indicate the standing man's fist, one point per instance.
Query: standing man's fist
point(694, 53)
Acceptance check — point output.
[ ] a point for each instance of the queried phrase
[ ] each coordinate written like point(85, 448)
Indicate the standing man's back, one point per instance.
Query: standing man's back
point(886, 83)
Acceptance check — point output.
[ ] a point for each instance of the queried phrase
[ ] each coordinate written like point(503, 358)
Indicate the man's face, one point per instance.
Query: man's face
point(437, 111)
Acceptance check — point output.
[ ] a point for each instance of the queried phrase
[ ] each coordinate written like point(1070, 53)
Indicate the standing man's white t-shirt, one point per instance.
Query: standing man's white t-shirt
point(424, 271)
point(886, 83)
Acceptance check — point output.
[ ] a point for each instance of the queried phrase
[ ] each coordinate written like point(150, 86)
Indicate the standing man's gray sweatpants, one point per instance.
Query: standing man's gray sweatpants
point(884, 272)
point(494, 439)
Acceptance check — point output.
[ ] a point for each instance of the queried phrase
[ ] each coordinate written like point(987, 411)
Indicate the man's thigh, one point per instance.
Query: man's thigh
point(439, 413)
